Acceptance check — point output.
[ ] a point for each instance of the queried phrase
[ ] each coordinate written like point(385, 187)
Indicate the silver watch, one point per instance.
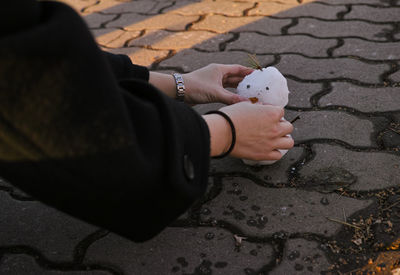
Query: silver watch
point(180, 87)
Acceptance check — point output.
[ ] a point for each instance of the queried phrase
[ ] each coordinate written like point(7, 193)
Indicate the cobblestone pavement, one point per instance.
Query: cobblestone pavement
point(330, 206)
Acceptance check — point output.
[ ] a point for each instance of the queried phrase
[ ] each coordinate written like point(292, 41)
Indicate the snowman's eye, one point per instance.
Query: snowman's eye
point(248, 86)
point(266, 88)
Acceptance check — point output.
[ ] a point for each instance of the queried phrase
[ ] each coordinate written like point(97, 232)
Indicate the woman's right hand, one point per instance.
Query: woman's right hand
point(260, 131)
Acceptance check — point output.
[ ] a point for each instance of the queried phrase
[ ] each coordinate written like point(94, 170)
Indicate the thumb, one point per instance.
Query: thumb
point(226, 97)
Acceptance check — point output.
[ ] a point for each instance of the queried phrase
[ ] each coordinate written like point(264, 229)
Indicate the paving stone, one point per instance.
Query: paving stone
point(373, 170)
point(43, 228)
point(388, 14)
point(391, 138)
point(118, 7)
point(266, 25)
point(362, 98)
point(26, 265)
point(275, 174)
point(103, 31)
point(267, 8)
point(133, 22)
point(325, 69)
point(302, 257)
point(395, 76)
point(282, 2)
point(114, 38)
point(212, 7)
point(339, 29)
point(141, 56)
point(346, 2)
point(369, 50)
point(313, 9)
point(187, 215)
point(331, 125)
point(163, 40)
point(184, 250)
point(13, 191)
point(300, 93)
point(213, 44)
point(396, 118)
point(222, 24)
point(176, 5)
point(170, 21)
point(261, 44)
point(261, 212)
point(190, 60)
point(79, 5)
point(97, 20)
point(102, 6)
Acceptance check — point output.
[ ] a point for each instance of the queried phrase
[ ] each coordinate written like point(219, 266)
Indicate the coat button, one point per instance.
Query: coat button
point(188, 167)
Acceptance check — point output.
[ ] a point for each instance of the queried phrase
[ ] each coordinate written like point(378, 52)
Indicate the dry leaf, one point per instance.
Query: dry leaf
point(238, 240)
point(357, 241)
point(396, 271)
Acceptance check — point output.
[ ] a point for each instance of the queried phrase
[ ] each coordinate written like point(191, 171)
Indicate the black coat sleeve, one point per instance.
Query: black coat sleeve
point(118, 154)
point(122, 67)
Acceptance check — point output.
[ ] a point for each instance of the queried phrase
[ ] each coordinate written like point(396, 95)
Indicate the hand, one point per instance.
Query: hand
point(260, 132)
point(207, 85)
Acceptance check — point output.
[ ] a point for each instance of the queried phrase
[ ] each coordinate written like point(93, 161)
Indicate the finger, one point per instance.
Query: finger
point(285, 127)
point(232, 81)
point(236, 70)
point(226, 97)
point(286, 142)
point(274, 155)
point(277, 112)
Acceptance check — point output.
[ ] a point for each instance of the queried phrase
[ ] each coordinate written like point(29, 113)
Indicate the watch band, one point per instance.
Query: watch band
point(180, 87)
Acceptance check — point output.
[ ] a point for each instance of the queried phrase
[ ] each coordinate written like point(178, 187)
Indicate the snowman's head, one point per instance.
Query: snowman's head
point(268, 85)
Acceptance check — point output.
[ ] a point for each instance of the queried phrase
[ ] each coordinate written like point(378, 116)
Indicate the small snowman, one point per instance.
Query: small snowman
point(264, 85)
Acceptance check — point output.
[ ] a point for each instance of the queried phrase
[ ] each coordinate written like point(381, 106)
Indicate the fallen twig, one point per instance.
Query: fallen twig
point(296, 118)
point(390, 206)
point(254, 62)
point(345, 223)
point(394, 130)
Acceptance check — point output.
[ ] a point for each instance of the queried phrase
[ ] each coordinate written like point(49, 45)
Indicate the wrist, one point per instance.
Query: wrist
point(164, 82)
point(220, 134)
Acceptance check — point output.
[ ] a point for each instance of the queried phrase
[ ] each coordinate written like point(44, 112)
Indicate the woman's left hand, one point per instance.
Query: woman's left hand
point(207, 85)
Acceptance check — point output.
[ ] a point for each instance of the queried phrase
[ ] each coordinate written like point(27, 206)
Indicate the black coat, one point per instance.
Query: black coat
point(83, 131)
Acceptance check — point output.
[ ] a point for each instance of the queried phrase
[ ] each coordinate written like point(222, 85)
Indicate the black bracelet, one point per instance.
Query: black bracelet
point(232, 129)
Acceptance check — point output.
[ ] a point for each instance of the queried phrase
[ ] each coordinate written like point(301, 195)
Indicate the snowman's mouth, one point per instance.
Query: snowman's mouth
point(253, 99)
